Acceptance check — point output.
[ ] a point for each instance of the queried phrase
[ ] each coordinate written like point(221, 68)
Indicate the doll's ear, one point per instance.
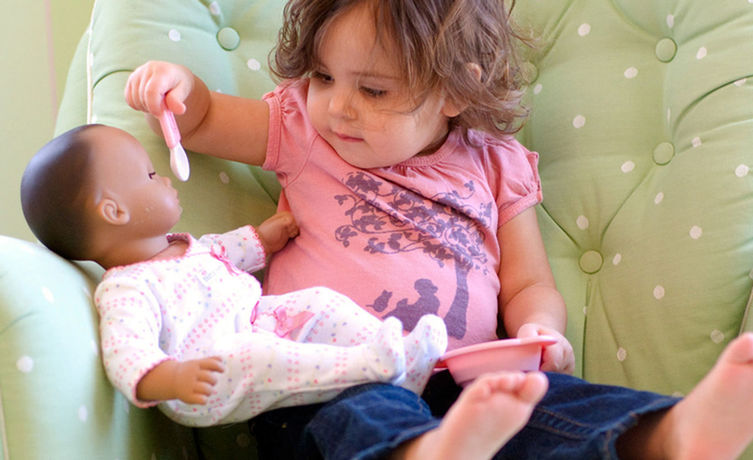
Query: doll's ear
point(111, 212)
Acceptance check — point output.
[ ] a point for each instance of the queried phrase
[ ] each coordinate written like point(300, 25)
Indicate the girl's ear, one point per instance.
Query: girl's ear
point(452, 109)
point(111, 212)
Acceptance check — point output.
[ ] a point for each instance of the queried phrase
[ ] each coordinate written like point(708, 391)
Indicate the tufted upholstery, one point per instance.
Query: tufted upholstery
point(642, 112)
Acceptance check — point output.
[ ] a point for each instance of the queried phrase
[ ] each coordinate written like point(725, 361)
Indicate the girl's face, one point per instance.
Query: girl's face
point(358, 103)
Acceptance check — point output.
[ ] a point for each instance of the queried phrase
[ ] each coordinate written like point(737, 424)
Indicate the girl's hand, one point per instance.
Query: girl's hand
point(194, 380)
point(558, 357)
point(156, 82)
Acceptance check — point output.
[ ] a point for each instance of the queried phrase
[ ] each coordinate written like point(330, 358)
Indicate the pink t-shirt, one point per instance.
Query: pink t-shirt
point(414, 238)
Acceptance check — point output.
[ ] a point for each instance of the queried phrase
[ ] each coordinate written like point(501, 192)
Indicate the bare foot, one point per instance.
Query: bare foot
point(714, 420)
point(275, 232)
point(486, 415)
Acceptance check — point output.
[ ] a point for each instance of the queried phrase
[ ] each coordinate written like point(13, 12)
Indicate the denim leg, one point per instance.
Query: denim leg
point(368, 422)
point(575, 420)
point(580, 420)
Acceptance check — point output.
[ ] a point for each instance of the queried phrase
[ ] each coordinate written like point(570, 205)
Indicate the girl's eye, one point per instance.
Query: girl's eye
point(372, 92)
point(152, 174)
point(323, 77)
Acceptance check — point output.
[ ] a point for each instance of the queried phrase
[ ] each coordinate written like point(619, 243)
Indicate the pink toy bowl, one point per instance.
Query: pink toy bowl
point(467, 363)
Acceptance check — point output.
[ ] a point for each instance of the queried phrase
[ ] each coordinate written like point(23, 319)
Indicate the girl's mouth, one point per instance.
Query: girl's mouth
point(346, 138)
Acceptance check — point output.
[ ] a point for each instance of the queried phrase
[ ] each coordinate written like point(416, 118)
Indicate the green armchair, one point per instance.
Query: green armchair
point(642, 112)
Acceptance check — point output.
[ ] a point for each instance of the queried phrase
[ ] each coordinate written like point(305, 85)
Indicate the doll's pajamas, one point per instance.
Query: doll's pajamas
point(328, 317)
point(298, 348)
point(306, 347)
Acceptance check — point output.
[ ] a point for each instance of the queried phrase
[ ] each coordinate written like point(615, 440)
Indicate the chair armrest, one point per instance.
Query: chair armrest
point(55, 399)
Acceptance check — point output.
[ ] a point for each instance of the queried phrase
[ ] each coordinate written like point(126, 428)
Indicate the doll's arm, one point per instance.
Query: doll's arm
point(190, 381)
point(529, 301)
point(247, 248)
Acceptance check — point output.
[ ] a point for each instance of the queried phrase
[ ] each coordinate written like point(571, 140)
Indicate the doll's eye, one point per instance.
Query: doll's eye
point(152, 174)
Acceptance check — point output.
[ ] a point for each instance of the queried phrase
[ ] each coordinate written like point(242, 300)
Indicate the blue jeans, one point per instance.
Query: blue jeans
point(575, 420)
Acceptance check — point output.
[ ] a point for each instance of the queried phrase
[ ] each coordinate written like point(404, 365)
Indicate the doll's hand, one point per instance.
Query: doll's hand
point(154, 82)
point(558, 357)
point(195, 379)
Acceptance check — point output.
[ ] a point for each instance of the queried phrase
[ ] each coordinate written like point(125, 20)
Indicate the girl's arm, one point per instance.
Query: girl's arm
point(216, 124)
point(529, 302)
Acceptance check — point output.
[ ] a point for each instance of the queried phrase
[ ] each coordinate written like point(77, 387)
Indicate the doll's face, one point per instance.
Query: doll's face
point(124, 173)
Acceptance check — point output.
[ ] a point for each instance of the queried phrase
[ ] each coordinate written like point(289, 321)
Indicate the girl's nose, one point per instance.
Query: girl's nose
point(341, 104)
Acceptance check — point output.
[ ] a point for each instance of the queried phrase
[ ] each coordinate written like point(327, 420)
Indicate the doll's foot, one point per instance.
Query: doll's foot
point(423, 348)
point(714, 420)
point(385, 355)
point(486, 415)
point(275, 232)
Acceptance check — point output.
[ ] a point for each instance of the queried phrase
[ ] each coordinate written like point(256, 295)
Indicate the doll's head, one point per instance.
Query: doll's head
point(94, 187)
point(54, 191)
point(465, 48)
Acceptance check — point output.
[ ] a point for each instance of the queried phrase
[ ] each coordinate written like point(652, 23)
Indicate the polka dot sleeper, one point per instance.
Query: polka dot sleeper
point(298, 348)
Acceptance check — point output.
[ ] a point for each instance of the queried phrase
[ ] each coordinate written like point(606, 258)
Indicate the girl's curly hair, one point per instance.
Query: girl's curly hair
point(441, 44)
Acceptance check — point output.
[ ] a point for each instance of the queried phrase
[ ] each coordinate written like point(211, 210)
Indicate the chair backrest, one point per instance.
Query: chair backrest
point(642, 112)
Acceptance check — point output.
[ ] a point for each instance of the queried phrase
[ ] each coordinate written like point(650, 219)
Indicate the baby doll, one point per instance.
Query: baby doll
point(183, 324)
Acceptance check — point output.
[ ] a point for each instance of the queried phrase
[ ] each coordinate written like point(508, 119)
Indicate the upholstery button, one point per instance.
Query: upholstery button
point(228, 38)
point(591, 262)
point(663, 153)
point(666, 48)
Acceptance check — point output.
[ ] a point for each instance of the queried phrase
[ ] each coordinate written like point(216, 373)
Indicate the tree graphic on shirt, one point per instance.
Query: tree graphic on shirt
point(393, 219)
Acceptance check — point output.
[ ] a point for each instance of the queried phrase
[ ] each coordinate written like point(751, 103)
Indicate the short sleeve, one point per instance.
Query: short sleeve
point(513, 174)
point(291, 133)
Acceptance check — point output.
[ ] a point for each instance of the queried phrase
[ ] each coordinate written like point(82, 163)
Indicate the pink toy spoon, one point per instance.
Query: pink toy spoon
point(178, 159)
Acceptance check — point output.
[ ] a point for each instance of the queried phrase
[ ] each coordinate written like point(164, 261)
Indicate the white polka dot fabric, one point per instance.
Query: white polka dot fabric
point(643, 116)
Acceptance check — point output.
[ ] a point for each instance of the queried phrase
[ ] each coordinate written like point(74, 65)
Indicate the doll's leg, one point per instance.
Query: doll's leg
point(264, 371)
point(324, 316)
point(335, 319)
